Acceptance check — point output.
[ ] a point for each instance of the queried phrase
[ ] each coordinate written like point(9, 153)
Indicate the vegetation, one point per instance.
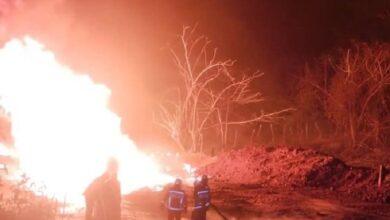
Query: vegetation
point(341, 98)
point(210, 101)
point(19, 202)
point(351, 90)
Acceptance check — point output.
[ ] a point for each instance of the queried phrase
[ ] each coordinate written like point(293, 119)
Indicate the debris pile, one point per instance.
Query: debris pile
point(293, 168)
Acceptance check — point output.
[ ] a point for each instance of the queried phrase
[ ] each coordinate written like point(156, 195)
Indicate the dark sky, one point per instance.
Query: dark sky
point(122, 43)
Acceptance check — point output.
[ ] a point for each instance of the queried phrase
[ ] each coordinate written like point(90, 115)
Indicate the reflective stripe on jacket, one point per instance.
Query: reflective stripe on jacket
point(176, 200)
point(202, 197)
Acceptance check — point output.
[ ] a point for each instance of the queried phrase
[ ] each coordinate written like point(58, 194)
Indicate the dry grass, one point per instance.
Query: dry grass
point(19, 202)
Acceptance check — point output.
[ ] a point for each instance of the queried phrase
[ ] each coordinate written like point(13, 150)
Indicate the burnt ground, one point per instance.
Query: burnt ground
point(281, 183)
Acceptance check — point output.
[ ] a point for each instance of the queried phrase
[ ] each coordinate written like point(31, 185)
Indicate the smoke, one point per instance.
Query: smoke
point(21, 17)
point(7, 6)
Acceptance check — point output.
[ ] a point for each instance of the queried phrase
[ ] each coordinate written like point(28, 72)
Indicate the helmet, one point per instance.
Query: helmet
point(177, 182)
point(204, 179)
point(196, 181)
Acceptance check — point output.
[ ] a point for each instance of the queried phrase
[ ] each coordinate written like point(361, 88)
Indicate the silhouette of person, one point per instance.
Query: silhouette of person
point(103, 195)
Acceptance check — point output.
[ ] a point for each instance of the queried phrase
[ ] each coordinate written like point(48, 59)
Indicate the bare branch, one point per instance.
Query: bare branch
point(209, 94)
point(269, 117)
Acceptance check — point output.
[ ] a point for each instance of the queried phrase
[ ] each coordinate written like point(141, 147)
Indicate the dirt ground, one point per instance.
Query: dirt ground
point(238, 202)
point(257, 202)
point(282, 183)
point(286, 183)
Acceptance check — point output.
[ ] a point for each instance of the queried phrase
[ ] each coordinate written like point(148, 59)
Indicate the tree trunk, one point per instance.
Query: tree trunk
point(306, 131)
point(352, 130)
point(272, 133)
point(319, 131)
point(252, 135)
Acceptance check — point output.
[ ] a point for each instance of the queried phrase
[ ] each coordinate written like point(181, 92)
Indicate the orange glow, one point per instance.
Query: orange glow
point(62, 127)
point(4, 151)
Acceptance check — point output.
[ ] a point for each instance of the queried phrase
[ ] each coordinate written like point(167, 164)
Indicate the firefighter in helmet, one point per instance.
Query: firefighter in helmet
point(175, 201)
point(202, 197)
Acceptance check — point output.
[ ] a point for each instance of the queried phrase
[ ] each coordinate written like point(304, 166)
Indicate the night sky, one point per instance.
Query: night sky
point(123, 43)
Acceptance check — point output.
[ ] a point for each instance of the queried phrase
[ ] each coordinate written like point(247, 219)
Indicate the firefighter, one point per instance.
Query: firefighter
point(175, 201)
point(103, 195)
point(202, 197)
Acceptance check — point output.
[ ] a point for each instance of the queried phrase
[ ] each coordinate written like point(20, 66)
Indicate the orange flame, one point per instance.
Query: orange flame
point(63, 130)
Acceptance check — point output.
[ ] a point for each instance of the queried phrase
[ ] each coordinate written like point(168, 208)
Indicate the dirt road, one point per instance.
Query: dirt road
point(254, 202)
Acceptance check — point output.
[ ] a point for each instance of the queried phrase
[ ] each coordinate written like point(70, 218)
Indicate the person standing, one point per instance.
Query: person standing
point(103, 195)
point(202, 197)
point(175, 201)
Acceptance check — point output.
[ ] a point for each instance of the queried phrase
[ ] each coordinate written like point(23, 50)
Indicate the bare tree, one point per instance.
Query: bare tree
point(355, 97)
point(361, 90)
point(310, 93)
point(208, 101)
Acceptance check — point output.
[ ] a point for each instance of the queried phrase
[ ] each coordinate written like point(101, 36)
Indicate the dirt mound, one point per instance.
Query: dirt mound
point(291, 168)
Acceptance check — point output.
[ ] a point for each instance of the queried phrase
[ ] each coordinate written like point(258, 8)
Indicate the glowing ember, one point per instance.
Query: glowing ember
point(62, 127)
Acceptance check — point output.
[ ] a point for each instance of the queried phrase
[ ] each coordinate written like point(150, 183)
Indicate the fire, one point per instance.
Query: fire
point(62, 127)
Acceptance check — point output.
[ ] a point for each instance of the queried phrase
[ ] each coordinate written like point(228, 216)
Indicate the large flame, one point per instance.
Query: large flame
point(63, 130)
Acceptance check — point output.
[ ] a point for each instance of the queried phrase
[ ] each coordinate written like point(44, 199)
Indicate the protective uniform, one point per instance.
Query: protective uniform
point(202, 197)
point(175, 201)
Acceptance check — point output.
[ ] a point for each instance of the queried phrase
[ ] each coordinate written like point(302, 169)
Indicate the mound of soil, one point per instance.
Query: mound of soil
point(292, 168)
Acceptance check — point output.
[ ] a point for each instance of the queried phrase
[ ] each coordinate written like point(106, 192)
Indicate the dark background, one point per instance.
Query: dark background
point(123, 43)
